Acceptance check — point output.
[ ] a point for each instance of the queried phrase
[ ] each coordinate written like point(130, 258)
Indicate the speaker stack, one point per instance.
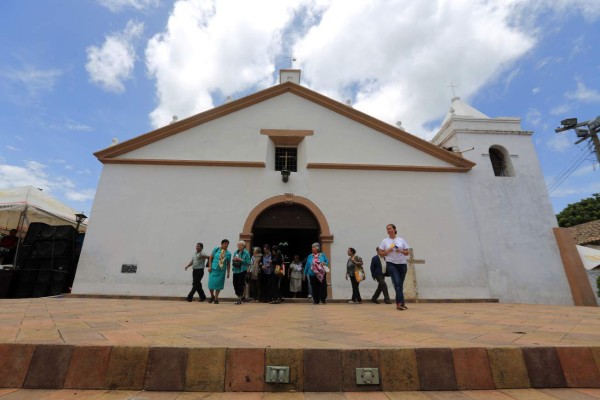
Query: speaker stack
point(47, 260)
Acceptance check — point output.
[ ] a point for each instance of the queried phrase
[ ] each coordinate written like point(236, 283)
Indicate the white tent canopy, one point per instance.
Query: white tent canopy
point(21, 206)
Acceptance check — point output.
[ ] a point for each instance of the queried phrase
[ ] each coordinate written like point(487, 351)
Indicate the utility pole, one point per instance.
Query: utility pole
point(584, 130)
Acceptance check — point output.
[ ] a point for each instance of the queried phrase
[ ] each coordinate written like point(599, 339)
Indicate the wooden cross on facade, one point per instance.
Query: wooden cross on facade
point(411, 261)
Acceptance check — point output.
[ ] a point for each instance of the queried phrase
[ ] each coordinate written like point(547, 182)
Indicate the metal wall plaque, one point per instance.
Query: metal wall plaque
point(128, 268)
point(367, 376)
point(277, 374)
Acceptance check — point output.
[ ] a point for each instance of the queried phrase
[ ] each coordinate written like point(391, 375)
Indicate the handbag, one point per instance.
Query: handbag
point(236, 264)
point(359, 274)
point(279, 270)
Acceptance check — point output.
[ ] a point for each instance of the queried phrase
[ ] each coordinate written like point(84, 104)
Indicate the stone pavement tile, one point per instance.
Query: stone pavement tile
point(39, 336)
point(322, 370)
point(543, 367)
point(242, 396)
point(508, 368)
point(166, 369)
point(579, 367)
point(116, 395)
point(472, 369)
point(28, 394)
point(72, 394)
point(88, 367)
point(125, 337)
point(358, 358)
point(528, 394)
point(148, 395)
point(294, 359)
point(48, 367)
point(436, 369)
point(38, 323)
point(6, 391)
point(126, 368)
point(407, 396)
point(206, 369)
point(14, 364)
point(448, 396)
point(82, 337)
point(487, 395)
point(363, 395)
point(284, 396)
point(245, 370)
point(567, 394)
point(592, 392)
point(398, 370)
point(199, 396)
point(324, 396)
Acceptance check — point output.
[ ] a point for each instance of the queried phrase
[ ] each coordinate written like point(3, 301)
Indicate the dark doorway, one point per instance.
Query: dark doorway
point(291, 224)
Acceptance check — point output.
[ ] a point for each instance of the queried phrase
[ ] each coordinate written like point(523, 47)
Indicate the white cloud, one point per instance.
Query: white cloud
point(561, 109)
point(35, 81)
point(11, 148)
point(584, 94)
point(80, 195)
point(36, 174)
point(587, 170)
point(77, 126)
point(534, 117)
point(118, 5)
point(113, 62)
point(558, 142)
point(535, 90)
point(214, 48)
point(394, 60)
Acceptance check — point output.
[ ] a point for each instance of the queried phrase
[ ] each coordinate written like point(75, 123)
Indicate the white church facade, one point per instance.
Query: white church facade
point(480, 219)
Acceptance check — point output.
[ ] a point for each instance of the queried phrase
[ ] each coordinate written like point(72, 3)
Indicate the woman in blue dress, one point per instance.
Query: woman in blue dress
point(316, 270)
point(218, 264)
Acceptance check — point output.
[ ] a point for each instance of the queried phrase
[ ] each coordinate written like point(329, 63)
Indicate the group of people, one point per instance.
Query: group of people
point(263, 269)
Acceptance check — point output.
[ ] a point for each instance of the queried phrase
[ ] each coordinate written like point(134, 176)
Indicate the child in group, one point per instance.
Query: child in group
point(296, 268)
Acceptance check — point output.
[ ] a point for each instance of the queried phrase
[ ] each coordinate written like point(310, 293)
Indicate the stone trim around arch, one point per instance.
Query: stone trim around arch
point(288, 198)
point(325, 236)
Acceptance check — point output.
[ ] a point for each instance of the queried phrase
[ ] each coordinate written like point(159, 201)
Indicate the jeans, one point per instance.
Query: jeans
point(197, 275)
point(381, 288)
point(398, 273)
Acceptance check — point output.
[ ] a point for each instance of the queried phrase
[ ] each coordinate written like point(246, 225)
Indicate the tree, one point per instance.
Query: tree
point(583, 211)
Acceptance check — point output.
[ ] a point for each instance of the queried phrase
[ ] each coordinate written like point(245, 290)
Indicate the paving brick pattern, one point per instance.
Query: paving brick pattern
point(132, 345)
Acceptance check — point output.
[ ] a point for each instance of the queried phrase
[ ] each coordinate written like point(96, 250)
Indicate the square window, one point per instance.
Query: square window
point(286, 157)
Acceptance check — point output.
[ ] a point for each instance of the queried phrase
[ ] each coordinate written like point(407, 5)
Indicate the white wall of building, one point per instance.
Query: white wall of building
point(478, 240)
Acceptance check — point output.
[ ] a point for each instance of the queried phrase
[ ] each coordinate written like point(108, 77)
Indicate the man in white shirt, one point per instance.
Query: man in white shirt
point(395, 249)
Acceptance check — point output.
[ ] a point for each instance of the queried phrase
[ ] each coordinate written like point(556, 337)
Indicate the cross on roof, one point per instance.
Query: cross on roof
point(452, 85)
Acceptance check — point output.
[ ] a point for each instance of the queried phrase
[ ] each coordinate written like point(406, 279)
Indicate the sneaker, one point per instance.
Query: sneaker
point(387, 301)
point(399, 307)
point(375, 301)
point(403, 307)
point(238, 302)
point(351, 302)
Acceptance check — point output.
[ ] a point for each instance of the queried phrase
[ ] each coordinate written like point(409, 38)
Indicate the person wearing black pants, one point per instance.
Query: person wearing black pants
point(378, 271)
point(240, 264)
point(274, 279)
point(354, 264)
point(316, 270)
point(198, 262)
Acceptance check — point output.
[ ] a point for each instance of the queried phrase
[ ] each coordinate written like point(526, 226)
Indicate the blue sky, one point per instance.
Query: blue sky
point(74, 74)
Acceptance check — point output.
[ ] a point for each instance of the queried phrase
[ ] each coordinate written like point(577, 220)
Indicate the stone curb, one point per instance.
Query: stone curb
point(45, 366)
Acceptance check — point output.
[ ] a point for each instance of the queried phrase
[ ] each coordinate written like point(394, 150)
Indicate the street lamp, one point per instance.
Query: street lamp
point(79, 218)
point(285, 174)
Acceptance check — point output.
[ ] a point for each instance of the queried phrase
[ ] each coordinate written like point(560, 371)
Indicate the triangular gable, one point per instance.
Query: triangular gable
point(108, 155)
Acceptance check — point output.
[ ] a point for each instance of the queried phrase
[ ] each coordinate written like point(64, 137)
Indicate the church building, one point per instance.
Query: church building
point(289, 165)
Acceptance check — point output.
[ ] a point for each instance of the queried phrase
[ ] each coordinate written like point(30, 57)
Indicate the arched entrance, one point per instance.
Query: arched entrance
point(288, 219)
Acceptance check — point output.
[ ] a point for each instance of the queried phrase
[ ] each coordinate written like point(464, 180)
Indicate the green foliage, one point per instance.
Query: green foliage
point(583, 211)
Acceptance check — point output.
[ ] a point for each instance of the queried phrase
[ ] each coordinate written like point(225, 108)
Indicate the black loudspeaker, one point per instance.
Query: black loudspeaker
point(42, 283)
point(58, 283)
point(39, 231)
point(25, 282)
point(37, 263)
point(52, 248)
point(65, 232)
point(25, 252)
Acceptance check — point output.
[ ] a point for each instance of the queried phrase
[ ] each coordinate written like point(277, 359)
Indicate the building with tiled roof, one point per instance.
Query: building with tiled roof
point(586, 234)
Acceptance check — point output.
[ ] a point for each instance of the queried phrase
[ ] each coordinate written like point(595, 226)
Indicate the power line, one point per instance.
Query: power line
point(572, 167)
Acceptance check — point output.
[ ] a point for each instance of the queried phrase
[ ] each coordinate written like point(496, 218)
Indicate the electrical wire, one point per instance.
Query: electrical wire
point(572, 167)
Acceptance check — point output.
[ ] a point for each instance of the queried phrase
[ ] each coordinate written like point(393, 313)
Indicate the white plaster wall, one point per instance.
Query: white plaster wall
point(153, 216)
point(481, 237)
point(336, 139)
point(515, 221)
